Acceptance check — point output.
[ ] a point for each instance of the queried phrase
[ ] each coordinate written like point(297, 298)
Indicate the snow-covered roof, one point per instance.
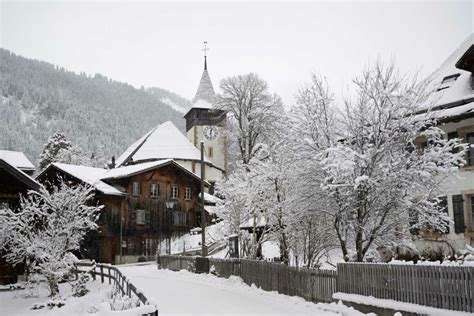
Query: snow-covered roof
point(163, 142)
point(16, 159)
point(19, 174)
point(96, 177)
point(209, 198)
point(451, 84)
point(131, 170)
point(89, 175)
point(205, 94)
point(205, 90)
point(211, 209)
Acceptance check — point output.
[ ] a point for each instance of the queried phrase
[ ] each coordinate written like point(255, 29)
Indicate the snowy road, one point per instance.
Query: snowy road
point(187, 293)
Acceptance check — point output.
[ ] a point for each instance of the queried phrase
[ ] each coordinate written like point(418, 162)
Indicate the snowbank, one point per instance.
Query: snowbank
point(396, 305)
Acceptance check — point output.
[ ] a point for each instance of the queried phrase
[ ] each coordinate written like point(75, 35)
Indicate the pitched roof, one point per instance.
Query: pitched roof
point(96, 177)
point(205, 90)
point(205, 94)
point(20, 175)
point(131, 170)
point(451, 85)
point(163, 142)
point(16, 159)
point(89, 175)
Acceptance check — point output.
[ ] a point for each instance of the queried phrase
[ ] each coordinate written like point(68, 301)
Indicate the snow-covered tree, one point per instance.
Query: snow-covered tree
point(48, 228)
point(251, 192)
point(364, 168)
point(56, 143)
point(76, 156)
point(59, 149)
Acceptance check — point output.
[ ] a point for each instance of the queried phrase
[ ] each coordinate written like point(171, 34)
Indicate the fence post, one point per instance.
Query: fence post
point(101, 274)
point(110, 276)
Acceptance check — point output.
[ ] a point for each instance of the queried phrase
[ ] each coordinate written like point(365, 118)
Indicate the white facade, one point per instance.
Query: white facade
point(215, 148)
point(463, 185)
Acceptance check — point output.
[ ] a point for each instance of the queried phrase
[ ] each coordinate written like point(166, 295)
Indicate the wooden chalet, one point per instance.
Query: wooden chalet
point(144, 204)
point(14, 183)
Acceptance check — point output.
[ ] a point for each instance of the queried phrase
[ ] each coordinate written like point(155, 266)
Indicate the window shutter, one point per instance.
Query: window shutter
point(458, 211)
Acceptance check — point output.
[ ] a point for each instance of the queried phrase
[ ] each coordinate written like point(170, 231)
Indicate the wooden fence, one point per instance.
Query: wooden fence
point(113, 274)
point(313, 285)
point(437, 286)
point(176, 263)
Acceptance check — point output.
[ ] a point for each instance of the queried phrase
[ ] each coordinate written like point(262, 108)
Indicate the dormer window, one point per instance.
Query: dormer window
point(448, 81)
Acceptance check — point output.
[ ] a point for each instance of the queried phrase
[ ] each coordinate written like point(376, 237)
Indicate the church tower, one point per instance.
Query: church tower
point(205, 122)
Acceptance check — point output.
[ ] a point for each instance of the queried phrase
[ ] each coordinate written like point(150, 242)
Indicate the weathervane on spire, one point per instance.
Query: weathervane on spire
point(205, 49)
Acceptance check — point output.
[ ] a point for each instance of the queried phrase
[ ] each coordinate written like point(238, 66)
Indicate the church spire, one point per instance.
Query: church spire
point(205, 89)
point(205, 49)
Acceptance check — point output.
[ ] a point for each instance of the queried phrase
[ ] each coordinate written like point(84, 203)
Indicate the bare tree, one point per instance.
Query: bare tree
point(253, 112)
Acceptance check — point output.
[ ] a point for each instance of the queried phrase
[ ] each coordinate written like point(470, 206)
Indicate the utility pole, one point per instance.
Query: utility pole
point(203, 214)
point(121, 238)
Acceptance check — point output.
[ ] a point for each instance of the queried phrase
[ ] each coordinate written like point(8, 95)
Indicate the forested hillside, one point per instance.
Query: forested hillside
point(100, 115)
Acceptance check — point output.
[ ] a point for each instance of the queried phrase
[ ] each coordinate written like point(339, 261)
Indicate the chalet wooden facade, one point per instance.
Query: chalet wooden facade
point(14, 183)
point(144, 204)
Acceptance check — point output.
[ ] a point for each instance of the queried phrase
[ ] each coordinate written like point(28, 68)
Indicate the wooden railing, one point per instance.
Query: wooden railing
point(444, 287)
point(113, 274)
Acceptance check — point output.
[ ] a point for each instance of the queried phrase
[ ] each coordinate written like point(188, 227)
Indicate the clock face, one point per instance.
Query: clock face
point(210, 132)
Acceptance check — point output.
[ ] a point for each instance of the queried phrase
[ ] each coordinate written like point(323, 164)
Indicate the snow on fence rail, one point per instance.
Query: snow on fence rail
point(437, 286)
point(312, 285)
point(114, 274)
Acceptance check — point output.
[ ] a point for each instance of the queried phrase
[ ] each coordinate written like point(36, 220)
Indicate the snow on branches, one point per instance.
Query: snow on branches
point(368, 170)
point(47, 228)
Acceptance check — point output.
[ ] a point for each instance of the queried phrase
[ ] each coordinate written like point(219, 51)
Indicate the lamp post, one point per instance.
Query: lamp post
point(203, 214)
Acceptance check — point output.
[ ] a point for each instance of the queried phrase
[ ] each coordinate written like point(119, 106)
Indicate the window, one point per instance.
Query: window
point(453, 135)
point(210, 152)
point(136, 188)
point(174, 192)
point(458, 212)
point(187, 193)
point(179, 218)
point(141, 220)
point(448, 81)
point(470, 150)
point(155, 190)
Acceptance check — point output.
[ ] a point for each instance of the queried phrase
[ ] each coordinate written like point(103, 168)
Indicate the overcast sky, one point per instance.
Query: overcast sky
point(159, 44)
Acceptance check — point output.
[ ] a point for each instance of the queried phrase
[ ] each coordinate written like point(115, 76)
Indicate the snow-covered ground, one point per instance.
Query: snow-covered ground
point(12, 302)
point(186, 293)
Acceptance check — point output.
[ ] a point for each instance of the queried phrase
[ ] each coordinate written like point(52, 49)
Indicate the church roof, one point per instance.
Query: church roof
point(205, 94)
point(164, 141)
point(205, 90)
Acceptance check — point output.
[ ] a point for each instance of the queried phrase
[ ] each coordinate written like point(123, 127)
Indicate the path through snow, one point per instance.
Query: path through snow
point(188, 293)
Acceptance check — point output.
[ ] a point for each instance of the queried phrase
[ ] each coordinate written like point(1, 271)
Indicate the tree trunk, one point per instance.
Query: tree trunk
point(53, 285)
